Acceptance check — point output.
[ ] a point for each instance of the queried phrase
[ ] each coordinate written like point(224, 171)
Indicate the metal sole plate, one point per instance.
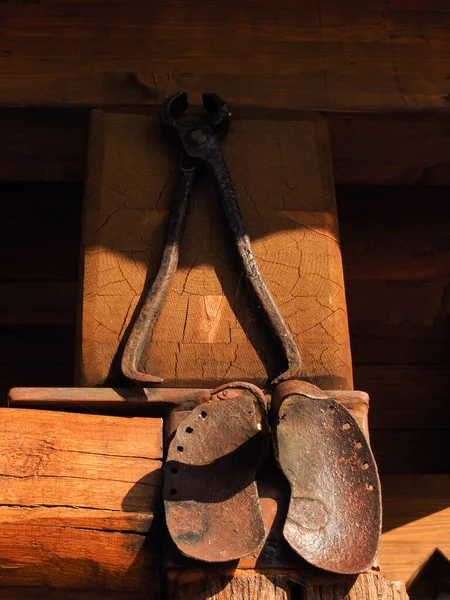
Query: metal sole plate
point(334, 515)
point(210, 493)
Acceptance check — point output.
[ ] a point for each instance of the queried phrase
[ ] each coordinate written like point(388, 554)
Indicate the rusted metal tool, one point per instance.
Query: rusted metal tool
point(210, 492)
point(199, 144)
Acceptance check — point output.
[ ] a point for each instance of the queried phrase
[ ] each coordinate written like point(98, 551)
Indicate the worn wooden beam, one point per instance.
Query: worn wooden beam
point(41, 232)
point(146, 400)
point(208, 331)
point(313, 55)
point(416, 522)
point(392, 234)
point(78, 495)
point(43, 144)
point(38, 144)
point(366, 587)
point(237, 585)
point(230, 586)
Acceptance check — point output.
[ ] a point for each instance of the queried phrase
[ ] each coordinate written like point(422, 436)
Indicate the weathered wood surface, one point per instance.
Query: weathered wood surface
point(72, 484)
point(43, 144)
point(416, 521)
point(208, 332)
point(366, 587)
point(395, 235)
point(77, 498)
point(367, 148)
point(316, 55)
point(228, 587)
point(278, 587)
point(128, 400)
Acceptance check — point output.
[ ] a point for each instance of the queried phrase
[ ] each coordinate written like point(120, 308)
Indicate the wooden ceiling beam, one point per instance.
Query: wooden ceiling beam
point(315, 55)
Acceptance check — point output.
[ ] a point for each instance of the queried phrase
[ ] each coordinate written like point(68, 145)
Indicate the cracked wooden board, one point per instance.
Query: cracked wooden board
point(208, 331)
point(78, 495)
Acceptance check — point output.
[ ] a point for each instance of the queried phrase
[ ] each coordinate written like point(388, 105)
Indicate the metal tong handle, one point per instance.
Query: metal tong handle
point(203, 146)
point(236, 224)
point(156, 296)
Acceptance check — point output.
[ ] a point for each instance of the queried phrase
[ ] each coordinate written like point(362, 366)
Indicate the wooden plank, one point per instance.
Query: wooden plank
point(416, 521)
point(280, 586)
point(31, 373)
point(208, 332)
point(368, 586)
point(394, 234)
point(77, 498)
point(117, 400)
point(40, 344)
point(391, 323)
point(406, 397)
point(389, 149)
point(410, 451)
point(42, 144)
point(147, 400)
point(387, 233)
point(401, 449)
point(38, 303)
point(46, 593)
point(40, 232)
point(186, 586)
point(399, 322)
point(367, 149)
point(399, 397)
point(374, 56)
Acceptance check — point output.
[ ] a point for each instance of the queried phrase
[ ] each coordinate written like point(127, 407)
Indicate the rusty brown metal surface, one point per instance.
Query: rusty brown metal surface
point(210, 493)
point(334, 515)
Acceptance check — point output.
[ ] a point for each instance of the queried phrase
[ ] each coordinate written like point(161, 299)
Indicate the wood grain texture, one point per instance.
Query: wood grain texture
point(366, 587)
point(208, 332)
point(197, 586)
point(41, 232)
point(239, 585)
point(416, 522)
point(42, 144)
point(389, 148)
point(314, 55)
point(77, 498)
point(50, 145)
point(399, 322)
point(395, 235)
point(408, 451)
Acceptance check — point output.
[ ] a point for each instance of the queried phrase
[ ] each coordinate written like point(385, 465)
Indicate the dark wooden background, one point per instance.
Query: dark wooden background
point(396, 252)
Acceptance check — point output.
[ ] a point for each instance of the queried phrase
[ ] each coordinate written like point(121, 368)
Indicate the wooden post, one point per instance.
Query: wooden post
point(208, 331)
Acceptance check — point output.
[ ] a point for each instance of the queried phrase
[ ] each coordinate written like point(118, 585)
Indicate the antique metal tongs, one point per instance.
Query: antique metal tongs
point(210, 492)
point(199, 145)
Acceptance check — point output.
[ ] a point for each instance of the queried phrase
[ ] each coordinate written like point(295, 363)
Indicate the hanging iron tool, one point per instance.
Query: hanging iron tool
point(210, 493)
point(199, 144)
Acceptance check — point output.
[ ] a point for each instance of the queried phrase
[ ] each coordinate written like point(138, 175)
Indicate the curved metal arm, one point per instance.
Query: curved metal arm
point(156, 295)
point(233, 215)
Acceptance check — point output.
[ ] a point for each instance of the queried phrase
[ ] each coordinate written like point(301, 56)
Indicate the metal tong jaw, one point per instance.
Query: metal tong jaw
point(199, 141)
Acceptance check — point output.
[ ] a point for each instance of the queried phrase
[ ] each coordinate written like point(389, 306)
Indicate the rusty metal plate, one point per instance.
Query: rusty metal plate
point(210, 494)
point(334, 514)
